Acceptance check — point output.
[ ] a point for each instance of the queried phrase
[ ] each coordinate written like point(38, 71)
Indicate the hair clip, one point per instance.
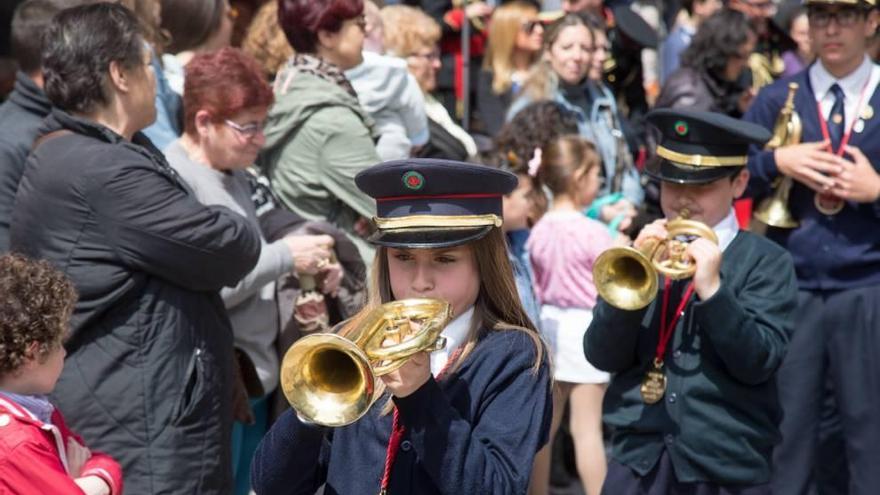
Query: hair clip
point(535, 162)
point(512, 159)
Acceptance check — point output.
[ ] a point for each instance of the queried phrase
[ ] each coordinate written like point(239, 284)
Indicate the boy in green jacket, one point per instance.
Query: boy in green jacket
point(693, 404)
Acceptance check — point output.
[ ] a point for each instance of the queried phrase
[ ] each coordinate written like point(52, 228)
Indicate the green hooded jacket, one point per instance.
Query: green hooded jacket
point(317, 139)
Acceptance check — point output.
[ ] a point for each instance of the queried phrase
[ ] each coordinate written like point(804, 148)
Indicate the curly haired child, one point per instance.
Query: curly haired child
point(38, 454)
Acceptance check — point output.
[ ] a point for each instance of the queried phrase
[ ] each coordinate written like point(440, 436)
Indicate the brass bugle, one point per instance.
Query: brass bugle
point(627, 278)
point(330, 378)
point(774, 210)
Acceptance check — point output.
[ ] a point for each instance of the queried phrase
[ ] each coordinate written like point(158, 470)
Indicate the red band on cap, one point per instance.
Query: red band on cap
point(437, 196)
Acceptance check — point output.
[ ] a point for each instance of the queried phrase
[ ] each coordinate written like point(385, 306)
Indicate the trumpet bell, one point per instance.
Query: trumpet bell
point(774, 212)
point(327, 379)
point(625, 278)
point(330, 379)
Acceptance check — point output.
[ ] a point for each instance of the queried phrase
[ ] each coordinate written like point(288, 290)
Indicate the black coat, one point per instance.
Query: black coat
point(20, 119)
point(148, 372)
point(491, 105)
point(698, 90)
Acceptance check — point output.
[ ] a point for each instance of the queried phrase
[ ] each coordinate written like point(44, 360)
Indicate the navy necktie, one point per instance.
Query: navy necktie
point(837, 117)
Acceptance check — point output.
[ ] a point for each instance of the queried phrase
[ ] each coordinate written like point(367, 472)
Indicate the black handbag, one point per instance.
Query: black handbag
point(442, 144)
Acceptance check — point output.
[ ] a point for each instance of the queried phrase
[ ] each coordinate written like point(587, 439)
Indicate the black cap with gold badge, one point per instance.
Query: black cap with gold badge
point(427, 203)
point(701, 147)
point(870, 3)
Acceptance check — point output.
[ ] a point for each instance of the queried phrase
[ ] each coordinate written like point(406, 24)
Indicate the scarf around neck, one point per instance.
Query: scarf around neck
point(38, 405)
point(313, 65)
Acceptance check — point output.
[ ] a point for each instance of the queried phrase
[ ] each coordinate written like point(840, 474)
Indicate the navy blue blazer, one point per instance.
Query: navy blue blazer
point(830, 252)
point(475, 431)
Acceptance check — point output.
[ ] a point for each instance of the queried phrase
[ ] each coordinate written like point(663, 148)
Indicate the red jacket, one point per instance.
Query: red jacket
point(33, 459)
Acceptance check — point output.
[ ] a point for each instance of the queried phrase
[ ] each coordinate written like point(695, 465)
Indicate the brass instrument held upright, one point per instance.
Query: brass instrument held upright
point(330, 378)
point(773, 210)
point(765, 68)
point(627, 277)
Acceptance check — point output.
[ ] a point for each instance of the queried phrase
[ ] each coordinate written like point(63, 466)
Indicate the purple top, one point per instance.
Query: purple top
point(793, 63)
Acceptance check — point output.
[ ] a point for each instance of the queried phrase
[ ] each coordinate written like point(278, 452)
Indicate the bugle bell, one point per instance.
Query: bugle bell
point(330, 378)
point(773, 210)
point(627, 277)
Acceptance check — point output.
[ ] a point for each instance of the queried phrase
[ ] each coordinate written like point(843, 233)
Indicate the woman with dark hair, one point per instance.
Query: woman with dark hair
point(148, 375)
point(799, 57)
point(193, 26)
point(317, 135)
point(687, 20)
point(713, 76)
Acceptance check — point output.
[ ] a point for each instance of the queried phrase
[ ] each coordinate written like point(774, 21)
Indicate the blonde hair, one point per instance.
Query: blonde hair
point(506, 23)
point(498, 307)
point(408, 29)
point(265, 41)
point(565, 158)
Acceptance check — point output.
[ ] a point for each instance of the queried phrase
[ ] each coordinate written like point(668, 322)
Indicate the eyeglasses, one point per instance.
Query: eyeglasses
point(821, 18)
point(248, 130)
point(530, 26)
point(361, 22)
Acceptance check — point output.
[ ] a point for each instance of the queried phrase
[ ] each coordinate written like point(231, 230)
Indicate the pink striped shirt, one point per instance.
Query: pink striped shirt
point(563, 247)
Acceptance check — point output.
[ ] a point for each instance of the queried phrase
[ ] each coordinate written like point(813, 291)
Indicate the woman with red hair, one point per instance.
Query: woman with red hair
point(317, 136)
point(225, 104)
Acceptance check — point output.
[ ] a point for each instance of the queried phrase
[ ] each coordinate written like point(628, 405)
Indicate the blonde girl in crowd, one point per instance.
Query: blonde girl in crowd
point(514, 45)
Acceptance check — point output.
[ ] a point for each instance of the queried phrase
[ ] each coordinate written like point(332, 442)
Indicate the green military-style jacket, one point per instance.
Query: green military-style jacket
point(719, 417)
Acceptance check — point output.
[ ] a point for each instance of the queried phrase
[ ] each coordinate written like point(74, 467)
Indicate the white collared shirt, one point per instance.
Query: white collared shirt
point(852, 84)
point(726, 230)
point(456, 333)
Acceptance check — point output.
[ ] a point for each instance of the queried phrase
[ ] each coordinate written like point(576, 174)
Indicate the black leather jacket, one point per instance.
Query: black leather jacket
point(698, 90)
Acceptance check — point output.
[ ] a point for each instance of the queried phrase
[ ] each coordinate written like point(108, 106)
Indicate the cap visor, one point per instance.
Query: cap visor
point(667, 171)
point(428, 238)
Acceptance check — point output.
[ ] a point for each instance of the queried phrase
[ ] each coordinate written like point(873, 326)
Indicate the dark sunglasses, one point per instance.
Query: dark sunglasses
point(530, 26)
